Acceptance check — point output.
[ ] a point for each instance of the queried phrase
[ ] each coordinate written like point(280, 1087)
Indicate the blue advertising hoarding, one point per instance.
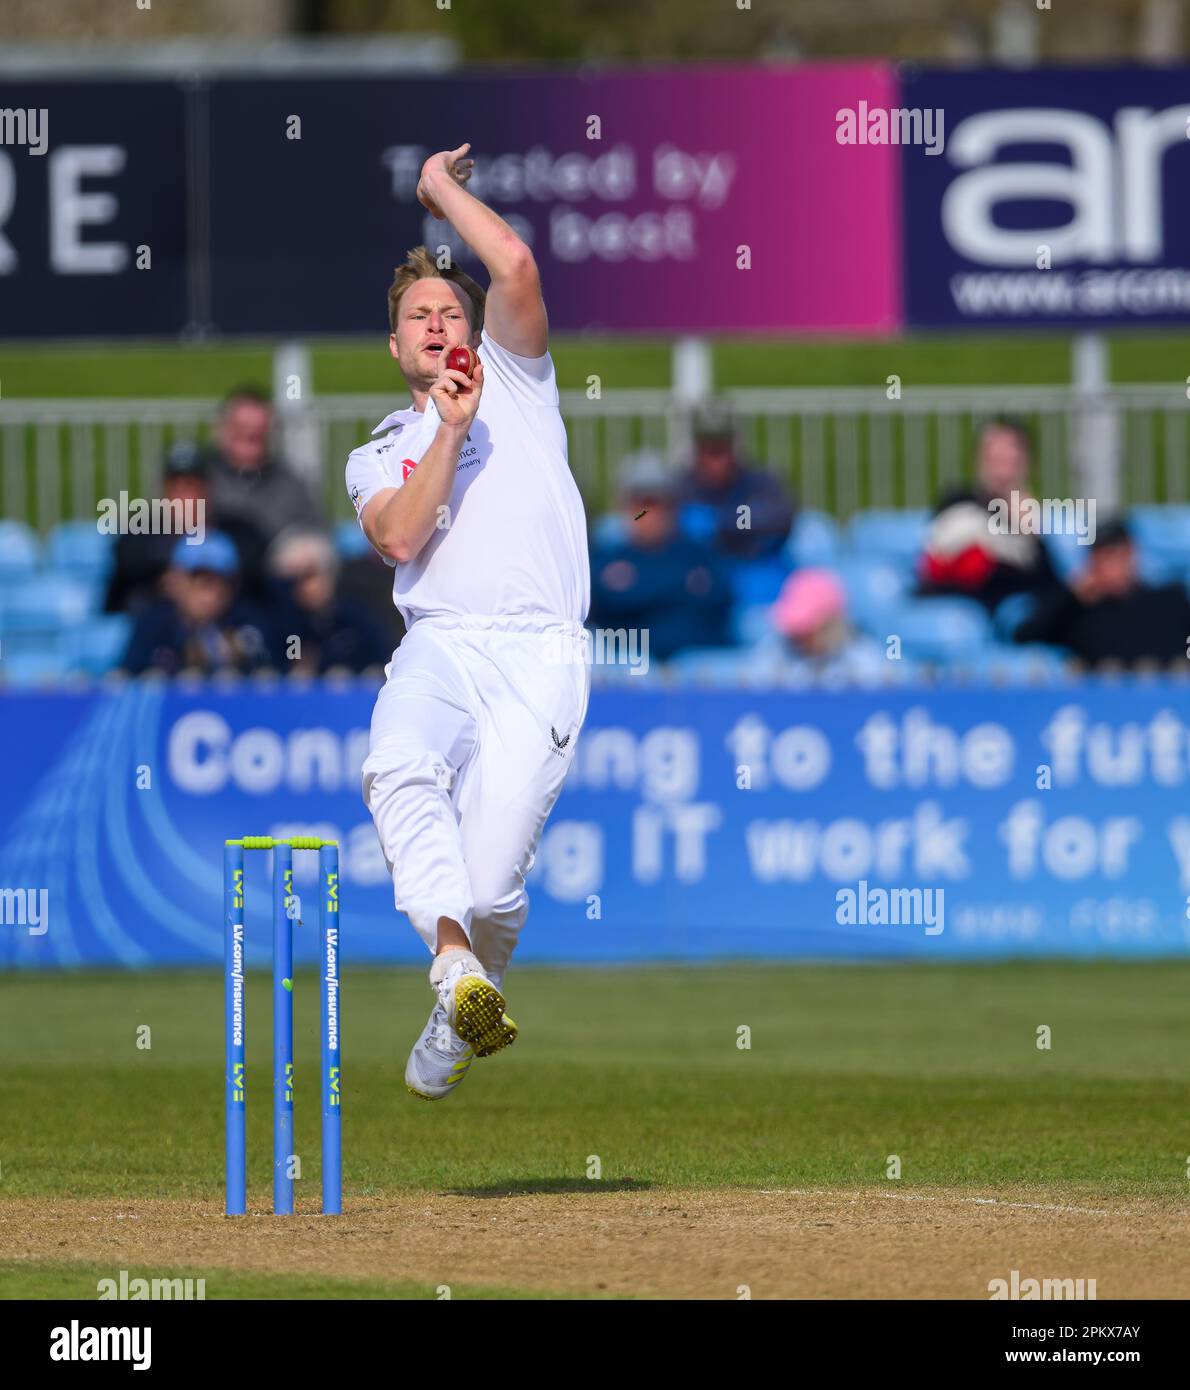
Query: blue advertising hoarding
point(694, 824)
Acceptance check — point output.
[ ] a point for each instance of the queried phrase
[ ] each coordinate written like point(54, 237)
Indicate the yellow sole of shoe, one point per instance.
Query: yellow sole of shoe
point(480, 1018)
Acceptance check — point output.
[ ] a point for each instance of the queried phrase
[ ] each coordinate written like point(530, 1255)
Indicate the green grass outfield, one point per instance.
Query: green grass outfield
point(173, 369)
point(80, 1281)
point(638, 1065)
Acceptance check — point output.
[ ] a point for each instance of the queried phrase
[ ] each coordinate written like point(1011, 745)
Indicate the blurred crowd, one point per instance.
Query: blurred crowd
point(717, 563)
point(265, 587)
point(710, 558)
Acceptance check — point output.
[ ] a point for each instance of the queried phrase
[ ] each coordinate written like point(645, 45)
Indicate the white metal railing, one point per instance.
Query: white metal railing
point(840, 449)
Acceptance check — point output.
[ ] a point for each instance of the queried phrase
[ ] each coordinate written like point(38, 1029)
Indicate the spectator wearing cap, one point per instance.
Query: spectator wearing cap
point(964, 553)
point(202, 624)
point(249, 484)
point(810, 618)
point(655, 580)
point(1108, 614)
point(142, 559)
point(331, 632)
point(744, 511)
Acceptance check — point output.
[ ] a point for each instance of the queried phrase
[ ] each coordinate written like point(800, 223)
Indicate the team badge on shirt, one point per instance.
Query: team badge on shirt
point(407, 467)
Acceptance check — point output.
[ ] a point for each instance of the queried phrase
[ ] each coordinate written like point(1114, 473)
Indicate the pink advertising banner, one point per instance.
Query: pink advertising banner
point(657, 200)
point(744, 210)
point(714, 199)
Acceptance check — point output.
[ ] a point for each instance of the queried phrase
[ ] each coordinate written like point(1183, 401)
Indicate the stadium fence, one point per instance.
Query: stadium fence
point(841, 449)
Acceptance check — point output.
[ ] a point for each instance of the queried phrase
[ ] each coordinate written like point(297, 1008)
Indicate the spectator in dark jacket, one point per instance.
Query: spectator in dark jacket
point(747, 512)
point(248, 483)
point(965, 553)
point(1109, 615)
point(142, 558)
point(322, 631)
point(202, 624)
point(655, 580)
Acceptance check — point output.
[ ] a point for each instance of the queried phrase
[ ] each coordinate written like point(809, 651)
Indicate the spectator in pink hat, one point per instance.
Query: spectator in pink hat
point(810, 617)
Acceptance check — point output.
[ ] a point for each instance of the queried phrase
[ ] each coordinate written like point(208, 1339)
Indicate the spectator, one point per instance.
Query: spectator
point(202, 624)
point(810, 616)
point(331, 632)
point(656, 580)
point(1109, 614)
point(964, 555)
point(248, 484)
point(142, 559)
point(718, 485)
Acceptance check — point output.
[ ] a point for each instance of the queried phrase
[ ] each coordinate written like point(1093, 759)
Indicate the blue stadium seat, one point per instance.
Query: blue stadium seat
point(622, 673)
point(98, 645)
point(1164, 528)
point(941, 630)
point(814, 540)
point(1160, 566)
point(896, 536)
point(350, 541)
point(37, 616)
point(1016, 665)
point(721, 666)
point(19, 551)
point(875, 589)
point(37, 666)
point(751, 622)
point(79, 548)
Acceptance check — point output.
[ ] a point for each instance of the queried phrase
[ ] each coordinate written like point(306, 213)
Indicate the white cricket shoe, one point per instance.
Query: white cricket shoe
point(473, 1004)
point(468, 1021)
point(439, 1060)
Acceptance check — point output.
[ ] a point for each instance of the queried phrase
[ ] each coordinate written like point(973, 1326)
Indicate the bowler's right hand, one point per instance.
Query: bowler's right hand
point(456, 396)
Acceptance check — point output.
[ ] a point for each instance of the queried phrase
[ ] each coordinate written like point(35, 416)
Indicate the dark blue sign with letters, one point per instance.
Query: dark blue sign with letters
point(1061, 197)
point(94, 225)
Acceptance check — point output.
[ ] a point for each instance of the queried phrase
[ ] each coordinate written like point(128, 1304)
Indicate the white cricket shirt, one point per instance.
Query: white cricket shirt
point(516, 543)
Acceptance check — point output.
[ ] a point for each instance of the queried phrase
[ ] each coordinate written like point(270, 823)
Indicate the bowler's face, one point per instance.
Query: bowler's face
point(432, 319)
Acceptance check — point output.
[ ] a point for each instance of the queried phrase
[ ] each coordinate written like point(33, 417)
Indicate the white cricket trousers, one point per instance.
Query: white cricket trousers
point(471, 739)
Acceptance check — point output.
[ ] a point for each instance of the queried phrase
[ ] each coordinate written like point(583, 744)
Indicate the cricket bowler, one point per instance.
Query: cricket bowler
point(468, 493)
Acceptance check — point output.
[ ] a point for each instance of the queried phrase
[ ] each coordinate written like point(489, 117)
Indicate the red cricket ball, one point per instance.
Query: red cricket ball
point(462, 359)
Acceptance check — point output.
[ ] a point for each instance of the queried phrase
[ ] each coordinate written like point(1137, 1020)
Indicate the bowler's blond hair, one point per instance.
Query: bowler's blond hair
point(420, 265)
